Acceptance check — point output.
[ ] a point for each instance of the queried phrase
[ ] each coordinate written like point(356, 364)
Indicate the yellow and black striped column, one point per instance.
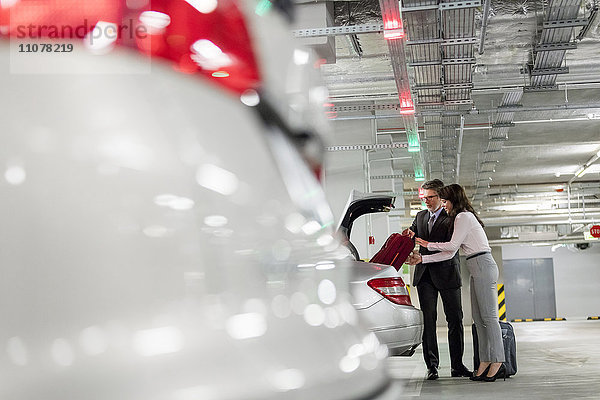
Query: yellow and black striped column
point(501, 302)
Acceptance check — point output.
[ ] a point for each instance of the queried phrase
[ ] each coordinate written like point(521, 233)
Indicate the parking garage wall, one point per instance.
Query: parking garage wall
point(576, 276)
point(345, 171)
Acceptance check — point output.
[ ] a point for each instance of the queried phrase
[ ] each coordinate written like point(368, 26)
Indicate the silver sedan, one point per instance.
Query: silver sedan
point(380, 295)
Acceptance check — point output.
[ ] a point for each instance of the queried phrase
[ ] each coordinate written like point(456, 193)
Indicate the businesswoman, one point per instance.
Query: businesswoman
point(468, 234)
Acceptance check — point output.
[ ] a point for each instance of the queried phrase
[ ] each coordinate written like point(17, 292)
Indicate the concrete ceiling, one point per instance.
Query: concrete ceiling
point(553, 132)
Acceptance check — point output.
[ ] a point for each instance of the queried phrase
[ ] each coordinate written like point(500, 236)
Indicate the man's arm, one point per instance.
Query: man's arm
point(413, 230)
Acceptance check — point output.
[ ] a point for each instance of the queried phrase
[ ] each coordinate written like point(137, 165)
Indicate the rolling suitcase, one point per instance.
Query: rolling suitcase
point(510, 348)
point(394, 251)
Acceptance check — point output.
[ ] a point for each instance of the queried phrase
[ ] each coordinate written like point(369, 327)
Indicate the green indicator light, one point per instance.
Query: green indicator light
point(263, 7)
point(419, 175)
point(413, 142)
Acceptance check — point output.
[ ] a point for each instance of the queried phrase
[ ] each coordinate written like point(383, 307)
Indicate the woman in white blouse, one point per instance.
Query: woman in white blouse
point(468, 234)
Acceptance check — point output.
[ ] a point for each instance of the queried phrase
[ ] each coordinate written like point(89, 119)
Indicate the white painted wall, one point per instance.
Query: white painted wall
point(576, 277)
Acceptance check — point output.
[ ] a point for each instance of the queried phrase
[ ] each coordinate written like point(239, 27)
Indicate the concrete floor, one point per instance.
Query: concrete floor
point(556, 360)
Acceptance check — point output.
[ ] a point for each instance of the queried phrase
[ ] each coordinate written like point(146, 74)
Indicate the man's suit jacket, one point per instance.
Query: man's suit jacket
point(444, 274)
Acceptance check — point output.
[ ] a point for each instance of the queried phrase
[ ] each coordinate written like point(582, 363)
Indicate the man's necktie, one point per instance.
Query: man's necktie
point(430, 222)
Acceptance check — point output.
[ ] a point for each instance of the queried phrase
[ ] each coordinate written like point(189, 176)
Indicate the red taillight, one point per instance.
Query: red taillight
point(210, 41)
point(393, 289)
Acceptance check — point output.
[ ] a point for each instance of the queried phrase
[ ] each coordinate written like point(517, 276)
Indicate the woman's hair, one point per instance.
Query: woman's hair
point(460, 202)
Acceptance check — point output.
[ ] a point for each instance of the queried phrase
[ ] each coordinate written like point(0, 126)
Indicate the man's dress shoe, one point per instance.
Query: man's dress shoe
point(432, 374)
point(461, 372)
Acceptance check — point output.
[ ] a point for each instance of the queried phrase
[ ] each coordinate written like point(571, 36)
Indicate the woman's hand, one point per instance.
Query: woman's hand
point(414, 258)
point(421, 242)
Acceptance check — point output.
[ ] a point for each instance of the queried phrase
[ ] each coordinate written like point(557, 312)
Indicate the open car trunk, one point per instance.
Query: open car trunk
point(358, 205)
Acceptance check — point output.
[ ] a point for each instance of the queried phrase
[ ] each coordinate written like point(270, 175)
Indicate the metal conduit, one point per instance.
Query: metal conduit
point(459, 148)
point(556, 107)
point(486, 13)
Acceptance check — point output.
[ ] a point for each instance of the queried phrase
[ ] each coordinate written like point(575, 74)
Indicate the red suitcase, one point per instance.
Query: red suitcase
point(394, 251)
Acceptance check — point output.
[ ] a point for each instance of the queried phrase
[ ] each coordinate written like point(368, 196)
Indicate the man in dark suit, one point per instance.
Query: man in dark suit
point(440, 278)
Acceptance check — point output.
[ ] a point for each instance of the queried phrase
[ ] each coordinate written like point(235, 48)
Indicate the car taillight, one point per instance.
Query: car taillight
point(393, 289)
point(205, 37)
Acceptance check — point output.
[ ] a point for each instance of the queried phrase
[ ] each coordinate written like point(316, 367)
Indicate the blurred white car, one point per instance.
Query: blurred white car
point(379, 294)
point(162, 237)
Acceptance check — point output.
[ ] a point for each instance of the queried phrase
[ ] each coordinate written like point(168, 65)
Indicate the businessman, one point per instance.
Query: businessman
point(440, 278)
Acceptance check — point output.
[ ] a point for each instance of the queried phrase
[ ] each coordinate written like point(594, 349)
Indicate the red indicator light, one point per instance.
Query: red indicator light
point(406, 102)
point(395, 34)
point(421, 193)
point(392, 29)
point(391, 24)
point(406, 106)
point(320, 62)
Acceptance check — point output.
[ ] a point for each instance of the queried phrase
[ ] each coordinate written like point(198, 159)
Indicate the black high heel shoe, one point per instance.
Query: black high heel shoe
point(480, 377)
point(501, 371)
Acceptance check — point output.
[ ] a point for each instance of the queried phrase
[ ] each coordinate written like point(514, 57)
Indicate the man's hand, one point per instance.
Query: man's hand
point(408, 232)
point(421, 242)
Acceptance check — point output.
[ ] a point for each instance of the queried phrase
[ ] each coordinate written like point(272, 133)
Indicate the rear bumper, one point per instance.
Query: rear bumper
point(398, 327)
point(401, 340)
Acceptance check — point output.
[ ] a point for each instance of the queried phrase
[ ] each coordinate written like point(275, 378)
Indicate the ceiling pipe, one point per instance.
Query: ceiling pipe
point(459, 148)
point(530, 187)
point(498, 242)
point(554, 107)
point(583, 169)
point(486, 13)
point(541, 219)
point(499, 208)
point(351, 98)
point(524, 220)
point(488, 126)
point(556, 213)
